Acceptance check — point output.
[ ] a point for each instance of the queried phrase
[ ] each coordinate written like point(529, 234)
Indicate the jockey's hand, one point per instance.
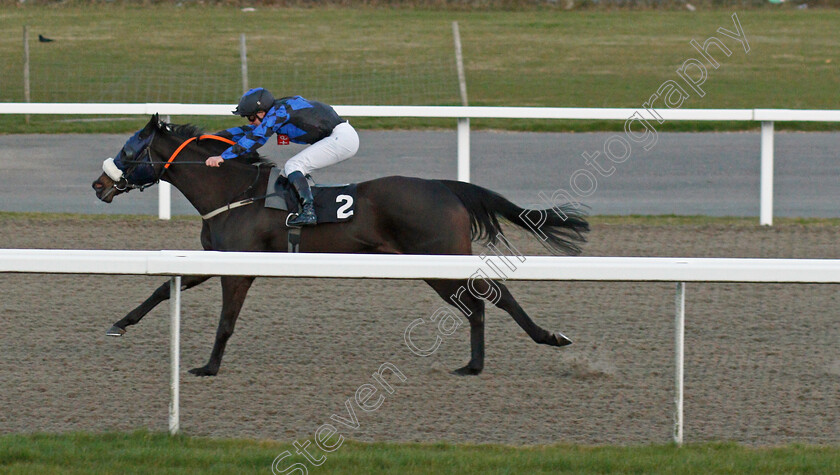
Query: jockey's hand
point(214, 161)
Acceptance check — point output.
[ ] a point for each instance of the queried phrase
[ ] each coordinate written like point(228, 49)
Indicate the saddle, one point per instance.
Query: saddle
point(333, 203)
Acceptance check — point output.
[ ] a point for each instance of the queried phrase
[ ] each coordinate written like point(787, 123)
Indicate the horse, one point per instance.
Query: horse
point(393, 215)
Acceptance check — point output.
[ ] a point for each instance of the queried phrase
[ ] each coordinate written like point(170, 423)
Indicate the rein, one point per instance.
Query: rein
point(226, 207)
point(187, 142)
point(166, 164)
point(180, 148)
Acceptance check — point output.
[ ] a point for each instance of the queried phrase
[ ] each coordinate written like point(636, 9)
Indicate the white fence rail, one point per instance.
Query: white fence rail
point(178, 263)
point(463, 113)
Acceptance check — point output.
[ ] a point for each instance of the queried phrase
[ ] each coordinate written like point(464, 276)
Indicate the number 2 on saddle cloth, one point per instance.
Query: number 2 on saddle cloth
point(333, 203)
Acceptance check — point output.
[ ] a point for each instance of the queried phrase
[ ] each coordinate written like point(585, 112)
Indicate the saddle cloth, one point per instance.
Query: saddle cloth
point(333, 203)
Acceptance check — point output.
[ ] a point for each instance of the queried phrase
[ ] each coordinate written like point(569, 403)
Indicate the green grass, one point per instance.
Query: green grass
point(143, 452)
point(533, 57)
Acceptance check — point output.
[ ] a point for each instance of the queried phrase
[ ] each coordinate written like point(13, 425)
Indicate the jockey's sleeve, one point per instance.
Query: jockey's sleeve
point(235, 133)
point(254, 137)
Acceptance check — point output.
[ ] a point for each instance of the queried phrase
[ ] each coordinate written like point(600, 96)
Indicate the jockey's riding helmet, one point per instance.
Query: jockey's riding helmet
point(253, 101)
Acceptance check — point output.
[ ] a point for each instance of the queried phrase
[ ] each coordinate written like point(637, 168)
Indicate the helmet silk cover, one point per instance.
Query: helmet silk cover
point(253, 101)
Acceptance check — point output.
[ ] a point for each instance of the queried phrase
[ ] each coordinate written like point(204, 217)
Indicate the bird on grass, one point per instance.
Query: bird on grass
point(44, 39)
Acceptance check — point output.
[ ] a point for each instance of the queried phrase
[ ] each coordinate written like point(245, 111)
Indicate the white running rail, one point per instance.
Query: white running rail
point(641, 269)
point(765, 116)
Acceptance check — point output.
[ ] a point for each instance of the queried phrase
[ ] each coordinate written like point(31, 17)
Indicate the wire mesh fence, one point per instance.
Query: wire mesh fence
point(418, 76)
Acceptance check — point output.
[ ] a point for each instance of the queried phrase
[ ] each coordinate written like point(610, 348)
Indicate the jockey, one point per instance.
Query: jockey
point(331, 139)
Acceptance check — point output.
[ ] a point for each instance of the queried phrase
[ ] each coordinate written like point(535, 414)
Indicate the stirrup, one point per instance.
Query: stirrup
point(290, 217)
point(293, 216)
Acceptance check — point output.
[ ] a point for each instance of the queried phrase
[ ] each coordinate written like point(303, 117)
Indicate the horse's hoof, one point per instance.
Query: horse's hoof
point(558, 339)
point(467, 371)
point(203, 371)
point(115, 331)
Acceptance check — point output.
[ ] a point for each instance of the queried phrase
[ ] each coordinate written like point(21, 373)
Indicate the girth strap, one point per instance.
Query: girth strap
point(228, 207)
point(294, 239)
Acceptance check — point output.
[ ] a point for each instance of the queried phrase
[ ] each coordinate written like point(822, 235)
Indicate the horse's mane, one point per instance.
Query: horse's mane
point(183, 130)
point(187, 131)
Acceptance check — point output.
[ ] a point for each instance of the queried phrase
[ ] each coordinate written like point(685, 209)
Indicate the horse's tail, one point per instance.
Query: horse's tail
point(559, 228)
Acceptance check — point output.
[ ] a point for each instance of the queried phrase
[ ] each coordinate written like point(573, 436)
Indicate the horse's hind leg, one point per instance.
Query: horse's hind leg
point(467, 296)
point(158, 296)
point(451, 291)
point(234, 291)
point(507, 303)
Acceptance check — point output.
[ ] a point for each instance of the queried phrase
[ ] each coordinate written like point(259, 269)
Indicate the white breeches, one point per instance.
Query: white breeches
point(340, 145)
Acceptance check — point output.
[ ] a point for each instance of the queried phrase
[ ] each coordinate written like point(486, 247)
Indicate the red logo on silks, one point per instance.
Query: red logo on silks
point(283, 139)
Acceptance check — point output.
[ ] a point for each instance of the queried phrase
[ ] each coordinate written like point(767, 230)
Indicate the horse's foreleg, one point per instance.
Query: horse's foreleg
point(234, 291)
point(158, 296)
point(540, 335)
point(452, 291)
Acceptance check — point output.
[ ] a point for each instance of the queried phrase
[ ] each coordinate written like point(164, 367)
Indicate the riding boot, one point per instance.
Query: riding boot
point(306, 216)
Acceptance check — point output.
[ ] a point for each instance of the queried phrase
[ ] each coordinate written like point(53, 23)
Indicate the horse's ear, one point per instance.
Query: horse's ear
point(154, 124)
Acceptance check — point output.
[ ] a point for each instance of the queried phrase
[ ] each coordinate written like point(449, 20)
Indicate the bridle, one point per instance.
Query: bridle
point(146, 157)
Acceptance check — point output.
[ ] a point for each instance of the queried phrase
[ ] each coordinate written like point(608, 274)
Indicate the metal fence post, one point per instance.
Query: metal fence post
point(26, 90)
point(463, 122)
point(243, 59)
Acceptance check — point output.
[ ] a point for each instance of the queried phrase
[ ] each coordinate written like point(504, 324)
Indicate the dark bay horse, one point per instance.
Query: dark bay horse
point(393, 215)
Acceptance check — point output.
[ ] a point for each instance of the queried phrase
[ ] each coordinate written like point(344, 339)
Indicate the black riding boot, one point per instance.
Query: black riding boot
point(306, 217)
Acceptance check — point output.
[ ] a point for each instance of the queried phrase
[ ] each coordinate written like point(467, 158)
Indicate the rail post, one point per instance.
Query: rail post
point(165, 194)
point(679, 347)
point(464, 149)
point(174, 354)
point(766, 209)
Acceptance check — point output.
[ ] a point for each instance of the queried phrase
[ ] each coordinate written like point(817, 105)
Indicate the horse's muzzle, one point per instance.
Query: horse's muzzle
point(105, 188)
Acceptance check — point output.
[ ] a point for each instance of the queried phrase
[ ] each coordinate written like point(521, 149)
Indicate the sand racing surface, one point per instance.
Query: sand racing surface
point(762, 360)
